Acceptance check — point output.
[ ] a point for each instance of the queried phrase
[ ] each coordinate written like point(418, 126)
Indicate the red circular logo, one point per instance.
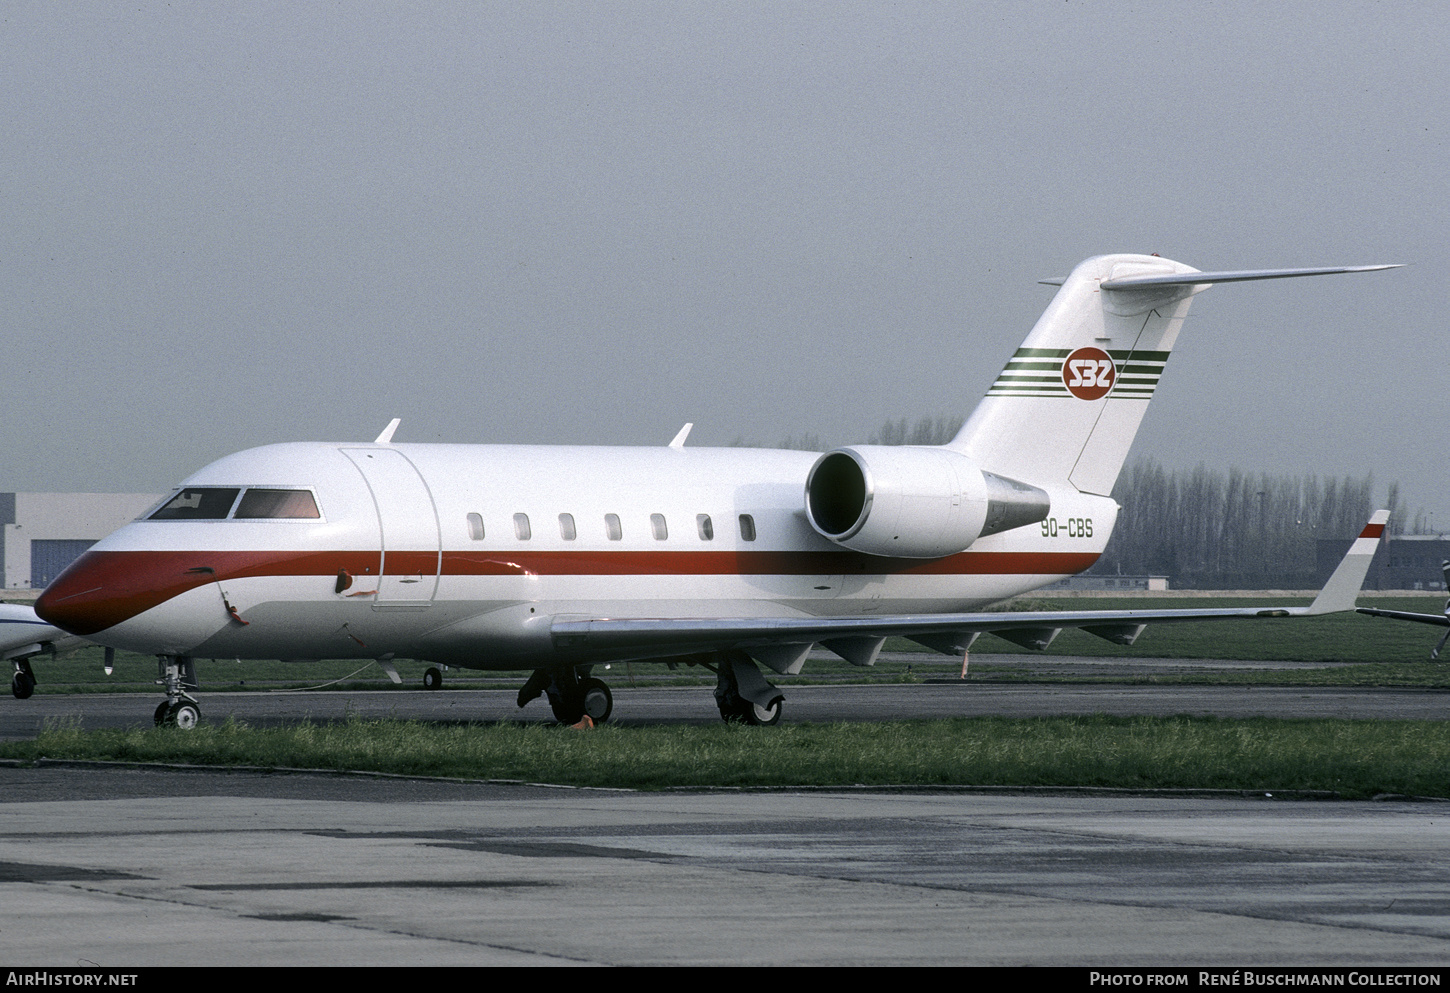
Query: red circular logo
point(1089, 373)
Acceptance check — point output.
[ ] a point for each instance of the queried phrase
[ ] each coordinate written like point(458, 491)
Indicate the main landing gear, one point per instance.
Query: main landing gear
point(571, 697)
point(743, 694)
point(22, 684)
point(177, 673)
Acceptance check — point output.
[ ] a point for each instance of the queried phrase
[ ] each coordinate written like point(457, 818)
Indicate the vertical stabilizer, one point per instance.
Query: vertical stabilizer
point(1068, 404)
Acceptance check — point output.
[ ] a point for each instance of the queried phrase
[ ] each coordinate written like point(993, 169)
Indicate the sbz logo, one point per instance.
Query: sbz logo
point(1088, 373)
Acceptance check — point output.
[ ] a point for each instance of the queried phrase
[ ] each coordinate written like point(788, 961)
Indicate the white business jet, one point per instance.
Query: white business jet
point(557, 559)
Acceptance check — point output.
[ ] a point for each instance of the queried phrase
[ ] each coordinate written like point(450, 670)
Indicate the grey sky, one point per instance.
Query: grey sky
point(233, 224)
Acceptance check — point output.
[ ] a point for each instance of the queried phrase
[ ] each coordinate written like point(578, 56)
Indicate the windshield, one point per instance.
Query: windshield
point(277, 504)
point(198, 504)
point(214, 503)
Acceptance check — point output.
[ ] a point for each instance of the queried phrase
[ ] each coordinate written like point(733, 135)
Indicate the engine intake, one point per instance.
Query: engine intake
point(914, 502)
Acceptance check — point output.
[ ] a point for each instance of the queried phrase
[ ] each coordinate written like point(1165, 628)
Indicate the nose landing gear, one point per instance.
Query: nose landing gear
point(177, 673)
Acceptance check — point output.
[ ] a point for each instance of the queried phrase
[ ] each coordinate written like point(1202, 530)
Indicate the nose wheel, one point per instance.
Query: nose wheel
point(184, 715)
point(179, 709)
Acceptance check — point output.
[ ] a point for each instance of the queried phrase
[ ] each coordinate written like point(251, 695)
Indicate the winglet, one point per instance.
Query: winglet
point(679, 441)
point(386, 438)
point(1342, 589)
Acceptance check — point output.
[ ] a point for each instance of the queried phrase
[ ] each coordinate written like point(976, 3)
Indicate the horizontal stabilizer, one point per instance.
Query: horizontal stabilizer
point(1236, 276)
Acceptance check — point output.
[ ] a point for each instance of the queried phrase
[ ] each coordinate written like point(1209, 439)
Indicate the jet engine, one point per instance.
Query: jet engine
point(914, 502)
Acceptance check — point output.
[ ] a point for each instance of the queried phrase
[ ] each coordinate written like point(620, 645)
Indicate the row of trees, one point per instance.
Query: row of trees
point(1205, 528)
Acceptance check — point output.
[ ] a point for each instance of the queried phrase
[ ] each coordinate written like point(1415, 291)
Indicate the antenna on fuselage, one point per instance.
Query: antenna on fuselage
point(679, 441)
point(386, 438)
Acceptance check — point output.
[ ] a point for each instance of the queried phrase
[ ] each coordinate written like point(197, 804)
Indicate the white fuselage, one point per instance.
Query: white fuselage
point(462, 554)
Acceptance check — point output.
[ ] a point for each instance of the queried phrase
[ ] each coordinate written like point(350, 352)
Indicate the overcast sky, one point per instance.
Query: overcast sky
point(232, 224)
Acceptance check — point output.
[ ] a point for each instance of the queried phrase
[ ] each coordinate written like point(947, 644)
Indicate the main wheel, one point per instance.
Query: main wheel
point(22, 684)
point(598, 701)
point(764, 716)
point(432, 679)
point(567, 709)
point(185, 716)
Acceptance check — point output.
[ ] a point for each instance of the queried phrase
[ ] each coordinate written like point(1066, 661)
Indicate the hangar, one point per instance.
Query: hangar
point(43, 533)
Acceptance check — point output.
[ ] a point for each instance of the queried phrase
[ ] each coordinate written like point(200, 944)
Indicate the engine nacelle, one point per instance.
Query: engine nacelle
point(920, 503)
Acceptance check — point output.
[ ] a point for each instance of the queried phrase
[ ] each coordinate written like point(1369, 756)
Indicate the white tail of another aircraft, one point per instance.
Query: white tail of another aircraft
point(1068, 404)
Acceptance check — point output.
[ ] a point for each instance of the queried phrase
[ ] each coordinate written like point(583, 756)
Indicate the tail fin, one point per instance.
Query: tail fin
point(1066, 408)
point(1068, 404)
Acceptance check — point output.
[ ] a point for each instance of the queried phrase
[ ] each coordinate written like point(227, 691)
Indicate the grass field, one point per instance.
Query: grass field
point(1355, 759)
point(1351, 758)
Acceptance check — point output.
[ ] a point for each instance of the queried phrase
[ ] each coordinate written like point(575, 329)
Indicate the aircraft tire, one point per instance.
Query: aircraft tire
point(764, 717)
point(22, 684)
point(567, 710)
point(184, 716)
point(432, 679)
point(598, 701)
point(732, 708)
point(162, 709)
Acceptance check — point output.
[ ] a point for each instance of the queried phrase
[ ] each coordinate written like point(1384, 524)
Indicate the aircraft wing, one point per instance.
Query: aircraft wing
point(783, 642)
point(23, 634)
point(1443, 620)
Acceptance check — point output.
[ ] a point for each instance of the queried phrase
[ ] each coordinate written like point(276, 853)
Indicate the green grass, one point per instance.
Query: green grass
point(1356, 759)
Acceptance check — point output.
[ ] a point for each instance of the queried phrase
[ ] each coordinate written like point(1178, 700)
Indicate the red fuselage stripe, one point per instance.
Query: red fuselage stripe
point(101, 589)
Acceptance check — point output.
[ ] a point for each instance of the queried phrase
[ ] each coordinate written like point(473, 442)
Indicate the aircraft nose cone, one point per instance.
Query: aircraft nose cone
point(100, 590)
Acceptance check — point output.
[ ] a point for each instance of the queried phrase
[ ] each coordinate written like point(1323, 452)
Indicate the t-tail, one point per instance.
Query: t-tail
point(1068, 404)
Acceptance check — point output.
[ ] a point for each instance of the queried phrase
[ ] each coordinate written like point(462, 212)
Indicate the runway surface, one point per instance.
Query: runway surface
point(21, 719)
point(129, 867)
point(146, 868)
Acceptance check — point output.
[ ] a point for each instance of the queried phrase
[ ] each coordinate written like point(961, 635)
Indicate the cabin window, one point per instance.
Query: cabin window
point(747, 527)
point(475, 526)
point(705, 527)
point(521, 527)
point(612, 527)
point(566, 527)
point(277, 504)
point(657, 525)
point(205, 503)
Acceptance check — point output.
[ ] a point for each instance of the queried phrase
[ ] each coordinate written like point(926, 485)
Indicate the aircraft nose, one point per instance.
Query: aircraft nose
point(101, 589)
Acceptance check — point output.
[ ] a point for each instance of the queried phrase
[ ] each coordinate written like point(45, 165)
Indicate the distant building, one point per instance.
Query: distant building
point(1122, 584)
point(1402, 562)
point(45, 532)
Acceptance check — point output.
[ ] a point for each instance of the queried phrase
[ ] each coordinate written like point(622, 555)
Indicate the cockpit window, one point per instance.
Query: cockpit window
point(197, 504)
point(259, 503)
